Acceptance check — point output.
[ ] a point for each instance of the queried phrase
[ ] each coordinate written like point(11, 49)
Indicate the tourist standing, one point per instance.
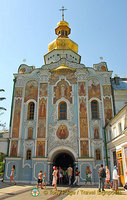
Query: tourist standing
point(107, 177)
point(76, 176)
point(12, 174)
point(102, 176)
point(60, 176)
point(69, 173)
point(54, 182)
point(44, 177)
point(88, 175)
point(115, 179)
point(39, 179)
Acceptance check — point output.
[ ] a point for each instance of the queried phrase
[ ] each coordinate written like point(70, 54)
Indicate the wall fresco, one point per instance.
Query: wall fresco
point(18, 92)
point(40, 152)
point(43, 90)
point(31, 91)
point(94, 89)
point(42, 109)
point(41, 131)
point(84, 148)
point(16, 119)
point(96, 132)
point(14, 148)
point(82, 91)
point(83, 118)
point(106, 90)
point(54, 78)
point(30, 133)
point(62, 90)
point(107, 109)
point(62, 132)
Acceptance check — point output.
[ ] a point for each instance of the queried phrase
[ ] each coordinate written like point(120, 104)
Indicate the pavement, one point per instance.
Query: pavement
point(24, 192)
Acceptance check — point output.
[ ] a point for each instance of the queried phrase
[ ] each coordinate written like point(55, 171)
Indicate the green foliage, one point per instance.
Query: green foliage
point(2, 166)
point(2, 156)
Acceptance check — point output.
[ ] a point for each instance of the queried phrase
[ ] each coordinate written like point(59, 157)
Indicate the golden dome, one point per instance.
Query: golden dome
point(63, 66)
point(63, 41)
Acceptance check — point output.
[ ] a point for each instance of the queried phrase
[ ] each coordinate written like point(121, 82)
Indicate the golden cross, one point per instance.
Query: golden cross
point(63, 9)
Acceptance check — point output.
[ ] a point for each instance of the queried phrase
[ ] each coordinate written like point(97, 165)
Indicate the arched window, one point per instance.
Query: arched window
point(94, 110)
point(30, 113)
point(98, 154)
point(62, 111)
point(28, 154)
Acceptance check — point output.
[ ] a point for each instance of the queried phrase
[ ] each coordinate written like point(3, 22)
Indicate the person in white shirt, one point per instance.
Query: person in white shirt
point(115, 179)
point(69, 173)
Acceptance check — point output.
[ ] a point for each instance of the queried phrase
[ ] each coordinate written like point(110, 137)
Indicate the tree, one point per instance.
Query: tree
point(2, 108)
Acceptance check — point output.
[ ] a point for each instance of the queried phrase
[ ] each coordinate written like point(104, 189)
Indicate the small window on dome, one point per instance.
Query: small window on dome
point(66, 33)
point(62, 32)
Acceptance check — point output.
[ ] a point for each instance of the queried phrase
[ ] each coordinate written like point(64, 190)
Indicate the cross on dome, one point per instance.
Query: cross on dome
point(62, 9)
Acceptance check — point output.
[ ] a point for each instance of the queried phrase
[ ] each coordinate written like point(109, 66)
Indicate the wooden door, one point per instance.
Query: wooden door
point(120, 167)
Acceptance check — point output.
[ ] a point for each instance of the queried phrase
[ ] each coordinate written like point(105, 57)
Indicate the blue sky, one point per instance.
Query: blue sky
point(27, 26)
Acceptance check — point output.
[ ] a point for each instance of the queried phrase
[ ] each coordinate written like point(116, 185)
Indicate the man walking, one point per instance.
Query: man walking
point(102, 176)
point(69, 173)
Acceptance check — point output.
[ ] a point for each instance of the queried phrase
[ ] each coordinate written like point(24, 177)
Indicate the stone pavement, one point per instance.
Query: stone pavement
point(23, 192)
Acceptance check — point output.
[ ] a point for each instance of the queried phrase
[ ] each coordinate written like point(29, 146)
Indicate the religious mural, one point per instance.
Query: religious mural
point(62, 90)
point(16, 119)
point(107, 109)
point(43, 90)
point(54, 78)
point(94, 89)
point(30, 133)
point(42, 109)
point(18, 92)
point(84, 148)
point(31, 91)
point(62, 132)
point(41, 131)
point(96, 132)
point(82, 91)
point(83, 118)
point(106, 90)
point(14, 147)
point(40, 152)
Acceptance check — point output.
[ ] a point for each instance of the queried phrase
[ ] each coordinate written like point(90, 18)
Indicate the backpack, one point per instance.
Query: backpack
point(102, 173)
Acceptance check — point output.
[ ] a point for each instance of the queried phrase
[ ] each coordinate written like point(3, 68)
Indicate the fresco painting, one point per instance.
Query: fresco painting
point(96, 132)
point(84, 148)
point(94, 89)
point(41, 131)
point(30, 133)
point(43, 90)
point(107, 109)
point(62, 90)
point(18, 91)
point(42, 108)
point(62, 132)
point(14, 147)
point(82, 91)
point(40, 152)
point(106, 90)
point(16, 120)
point(83, 118)
point(31, 91)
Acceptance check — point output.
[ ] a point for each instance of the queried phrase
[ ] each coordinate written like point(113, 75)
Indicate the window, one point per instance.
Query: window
point(120, 128)
point(30, 114)
point(28, 154)
point(62, 111)
point(114, 132)
point(94, 110)
point(98, 154)
point(62, 32)
point(66, 33)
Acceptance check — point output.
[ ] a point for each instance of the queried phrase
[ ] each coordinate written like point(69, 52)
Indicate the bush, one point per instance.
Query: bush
point(2, 165)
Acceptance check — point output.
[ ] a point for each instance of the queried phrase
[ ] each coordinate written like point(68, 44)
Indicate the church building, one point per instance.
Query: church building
point(59, 112)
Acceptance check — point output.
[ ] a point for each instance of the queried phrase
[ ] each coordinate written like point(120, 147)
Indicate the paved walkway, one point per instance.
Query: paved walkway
point(23, 192)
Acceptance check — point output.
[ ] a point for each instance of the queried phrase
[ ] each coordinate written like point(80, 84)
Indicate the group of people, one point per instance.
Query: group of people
point(59, 175)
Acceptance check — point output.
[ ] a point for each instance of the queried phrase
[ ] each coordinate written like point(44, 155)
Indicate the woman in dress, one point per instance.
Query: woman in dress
point(12, 174)
point(88, 175)
point(54, 182)
point(107, 177)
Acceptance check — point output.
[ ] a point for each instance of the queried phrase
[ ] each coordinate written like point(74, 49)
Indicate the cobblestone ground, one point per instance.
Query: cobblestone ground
point(23, 192)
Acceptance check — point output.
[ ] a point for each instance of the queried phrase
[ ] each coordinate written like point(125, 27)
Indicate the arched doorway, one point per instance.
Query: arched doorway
point(64, 160)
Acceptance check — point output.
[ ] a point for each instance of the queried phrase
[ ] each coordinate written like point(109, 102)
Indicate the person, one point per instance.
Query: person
point(60, 176)
point(88, 175)
point(76, 176)
point(44, 177)
point(69, 173)
point(102, 176)
point(39, 179)
point(54, 182)
point(12, 174)
point(64, 176)
point(107, 177)
point(115, 179)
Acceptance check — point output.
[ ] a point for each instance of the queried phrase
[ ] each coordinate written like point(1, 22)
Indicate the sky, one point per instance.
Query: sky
point(27, 27)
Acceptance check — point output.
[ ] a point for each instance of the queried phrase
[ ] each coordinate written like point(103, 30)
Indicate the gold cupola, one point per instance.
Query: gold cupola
point(63, 41)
